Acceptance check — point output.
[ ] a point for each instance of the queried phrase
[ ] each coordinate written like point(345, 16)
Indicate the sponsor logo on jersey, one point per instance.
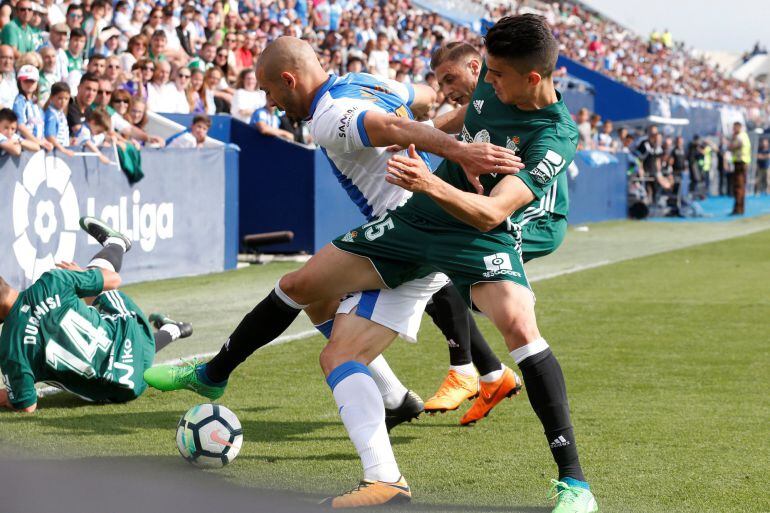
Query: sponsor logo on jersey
point(344, 123)
point(498, 264)
point(512, 143)
point(482, 136)
point(350, 236)
point(478, 104)
point(548, 167)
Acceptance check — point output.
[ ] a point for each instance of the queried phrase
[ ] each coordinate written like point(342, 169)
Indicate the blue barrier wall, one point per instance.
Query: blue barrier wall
point(599, 192)
point(185, 193)
point(613, 100)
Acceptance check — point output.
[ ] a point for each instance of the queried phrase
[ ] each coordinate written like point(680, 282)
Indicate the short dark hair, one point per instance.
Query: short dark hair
point(77, 32)
point(60, 87)
point(8, 115)
point(526, 41)
point(202, 118)
point(96, 57)
point(74, 7)
point(89, 77)
point(453, 52)
point(99, 117)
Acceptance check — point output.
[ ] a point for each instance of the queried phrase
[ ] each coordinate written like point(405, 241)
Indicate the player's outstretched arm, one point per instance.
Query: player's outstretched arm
point(424, 98)
point(451, 122)
point(112, 280)
point(475, 158)
point(482, 212)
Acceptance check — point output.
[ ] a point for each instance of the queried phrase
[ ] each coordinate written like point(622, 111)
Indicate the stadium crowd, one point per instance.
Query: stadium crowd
point(58, 60)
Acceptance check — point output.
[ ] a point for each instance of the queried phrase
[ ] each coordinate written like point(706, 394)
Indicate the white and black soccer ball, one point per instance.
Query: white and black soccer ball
point(209, 436)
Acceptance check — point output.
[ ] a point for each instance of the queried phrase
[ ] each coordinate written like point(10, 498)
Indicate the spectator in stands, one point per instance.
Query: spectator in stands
point(664, 178)
point(97, 65)
point(31, 123)
point(136, 51)
point(268, 123)
point(107, 42)
point(48, 75)
point(18, 33)
point(75, 17)
point(114, 72)
point(195, 136)
point(216, 94)
point(763, 166)
point(9, 89)
point(141, 75)
point(379, 58)
point(595, 122)
point(56, 129)
point(75, 56)
point(198, 93)
point(604, 140)
point(186, 32)
point(160, 94)
point(205, 58)
point(247, 97)
point(121, 103)
point(221, 61)
point(93, 132)
point(585, 141)
point(246, 50)
point(740, 145)
point(58, 37)
point(10, 143)
point(138, 113)
point(76, 111)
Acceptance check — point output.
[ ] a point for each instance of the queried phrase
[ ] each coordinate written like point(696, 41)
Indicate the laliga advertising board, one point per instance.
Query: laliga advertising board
point(176, 215)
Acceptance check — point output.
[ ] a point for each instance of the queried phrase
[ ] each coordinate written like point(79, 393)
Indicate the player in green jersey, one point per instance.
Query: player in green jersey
point(98, 350)
point(447, 226)
point(458, 66)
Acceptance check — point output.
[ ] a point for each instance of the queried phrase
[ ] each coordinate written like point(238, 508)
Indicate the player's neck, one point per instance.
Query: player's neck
point(543, 96)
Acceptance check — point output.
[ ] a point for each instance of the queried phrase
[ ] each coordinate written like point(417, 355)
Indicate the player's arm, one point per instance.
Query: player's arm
point(451, 122)
point(482, 212)
point(6, 403)
point(11, 147)
point(476, 159)
point(423, 99)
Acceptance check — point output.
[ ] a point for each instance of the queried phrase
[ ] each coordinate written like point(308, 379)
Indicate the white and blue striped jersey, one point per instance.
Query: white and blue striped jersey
point(337, 126)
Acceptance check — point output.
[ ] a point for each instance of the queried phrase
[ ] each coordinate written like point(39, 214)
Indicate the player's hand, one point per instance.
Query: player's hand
point(46, 145)
point(409, 172)
point(4, 402)
point(68, 266)
point(479, 159)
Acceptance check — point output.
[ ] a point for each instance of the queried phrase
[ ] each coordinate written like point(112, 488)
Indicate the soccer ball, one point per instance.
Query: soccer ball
point(209, 436)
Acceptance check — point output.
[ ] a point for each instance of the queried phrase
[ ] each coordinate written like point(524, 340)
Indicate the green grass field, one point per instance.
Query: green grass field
point(666, 359)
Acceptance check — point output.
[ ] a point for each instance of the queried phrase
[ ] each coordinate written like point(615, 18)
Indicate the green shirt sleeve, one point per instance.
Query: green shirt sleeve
point(85, 283)
point(544, 160)
point(20, 383)
point(10, 35)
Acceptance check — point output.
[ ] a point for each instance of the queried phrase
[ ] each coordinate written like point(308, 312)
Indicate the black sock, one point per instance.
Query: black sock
point(162, 339)
point(113, 254)
point(547, 393)
point(262, 325)
point(484, 358)
point(450, 313)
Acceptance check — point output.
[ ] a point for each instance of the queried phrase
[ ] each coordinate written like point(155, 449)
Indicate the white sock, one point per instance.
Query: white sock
point(468, 369)
point(390, 387)
point(115, 240)
point(173, 330)
point(493, 376)
point(363, 414)
point(101, 263)
point(522, 353)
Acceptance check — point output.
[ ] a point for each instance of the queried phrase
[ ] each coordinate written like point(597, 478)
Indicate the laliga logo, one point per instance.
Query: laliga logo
point(45, 185)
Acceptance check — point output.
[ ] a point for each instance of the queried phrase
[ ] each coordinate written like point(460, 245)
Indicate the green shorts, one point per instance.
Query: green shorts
point(542, 236)
point(134, 346)
point(403, 247)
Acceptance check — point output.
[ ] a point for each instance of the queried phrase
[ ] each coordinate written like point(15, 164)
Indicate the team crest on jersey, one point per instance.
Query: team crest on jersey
point(548, 167)
point(478, 105)
point(512, 143)
point(350, 236)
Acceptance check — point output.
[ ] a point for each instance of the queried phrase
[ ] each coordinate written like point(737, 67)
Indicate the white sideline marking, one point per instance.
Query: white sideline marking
point(575, 269)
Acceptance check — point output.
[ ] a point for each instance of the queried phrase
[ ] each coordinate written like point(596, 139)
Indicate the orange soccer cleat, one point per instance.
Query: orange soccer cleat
point(371, 493)
point(490, 394)
point(453, 391)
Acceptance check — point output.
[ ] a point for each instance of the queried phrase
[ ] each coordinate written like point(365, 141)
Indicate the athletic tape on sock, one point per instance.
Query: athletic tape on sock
point(286, 299)
point(101, 263)
point(172, 329)
point(522, 353)
point(115, 240)
point(344, 370)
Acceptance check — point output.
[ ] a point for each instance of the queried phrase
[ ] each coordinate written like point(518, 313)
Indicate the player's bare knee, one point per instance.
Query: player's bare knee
point(294, 286)
point(330, 358)
point(520, 332)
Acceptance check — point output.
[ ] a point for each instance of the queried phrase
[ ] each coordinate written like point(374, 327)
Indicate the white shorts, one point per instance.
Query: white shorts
point(399, 309)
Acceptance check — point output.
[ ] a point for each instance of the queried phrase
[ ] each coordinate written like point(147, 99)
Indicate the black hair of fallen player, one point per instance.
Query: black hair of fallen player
point(526, 41)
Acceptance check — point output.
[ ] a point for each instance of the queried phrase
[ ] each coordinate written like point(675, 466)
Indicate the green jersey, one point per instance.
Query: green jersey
point(545, 139)
point(51, 335)
point(24, 39)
